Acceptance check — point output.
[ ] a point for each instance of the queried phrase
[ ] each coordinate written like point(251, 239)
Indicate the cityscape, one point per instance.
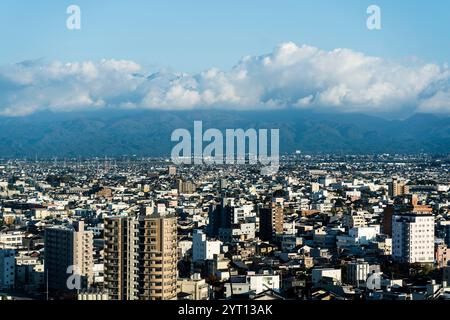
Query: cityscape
point(219, 159)
point(373, 227)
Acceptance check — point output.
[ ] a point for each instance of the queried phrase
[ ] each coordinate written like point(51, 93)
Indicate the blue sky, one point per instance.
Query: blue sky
point(178, 54)
point(193, 35)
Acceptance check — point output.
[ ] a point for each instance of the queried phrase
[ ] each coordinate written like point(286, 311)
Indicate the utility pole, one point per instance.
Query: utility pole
point(47, 283)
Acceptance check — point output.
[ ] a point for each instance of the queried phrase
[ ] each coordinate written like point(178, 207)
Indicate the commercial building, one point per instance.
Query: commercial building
point(11, 240)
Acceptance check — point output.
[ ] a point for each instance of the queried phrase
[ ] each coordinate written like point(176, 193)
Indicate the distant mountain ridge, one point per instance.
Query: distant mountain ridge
point(147, 133)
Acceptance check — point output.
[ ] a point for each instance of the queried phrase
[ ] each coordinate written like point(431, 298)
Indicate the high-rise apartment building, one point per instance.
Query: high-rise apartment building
point(141, 257)
point(121, 257)
point(158, 257)
point(413, 237)
point(68, 252)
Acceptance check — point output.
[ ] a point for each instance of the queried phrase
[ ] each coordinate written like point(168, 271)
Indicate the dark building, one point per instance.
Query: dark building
point(270, 222)
point(387, 219)
point(220, 217)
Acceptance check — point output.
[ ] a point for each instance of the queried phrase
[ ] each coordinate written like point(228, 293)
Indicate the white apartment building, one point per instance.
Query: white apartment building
point(11, 240)
point(243, 213)
point(413, 238)
point(202, 248)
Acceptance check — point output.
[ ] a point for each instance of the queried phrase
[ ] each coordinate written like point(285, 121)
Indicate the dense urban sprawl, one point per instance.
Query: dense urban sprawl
point(324, 227)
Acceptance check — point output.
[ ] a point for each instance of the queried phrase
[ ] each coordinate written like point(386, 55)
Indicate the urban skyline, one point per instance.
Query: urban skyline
point(240, 154)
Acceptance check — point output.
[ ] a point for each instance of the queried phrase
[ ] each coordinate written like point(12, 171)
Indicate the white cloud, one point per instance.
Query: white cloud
point(291, 76)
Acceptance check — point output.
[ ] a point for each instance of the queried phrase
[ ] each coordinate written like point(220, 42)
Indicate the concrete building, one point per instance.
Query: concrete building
point(185, 187)
point(442, 254)
point(359, 271)
point(158, 260)
point(92, 295)
point(196, 288)
point(68, 251)
point(388, 212)
point(141, 257)
point(364, 235)
point(220, 217)
point(251, 284)
point(271, 222)
point(202, 248)
point(320, 273)
point(11, 240)
point(30, 274)
point(7, 269)
point(354, 220)
point(413, 238)
point(121, 257)
point(172, 170)
point(396, 187)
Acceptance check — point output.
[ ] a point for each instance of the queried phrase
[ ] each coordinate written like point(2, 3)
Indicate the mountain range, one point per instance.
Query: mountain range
point(116, 133)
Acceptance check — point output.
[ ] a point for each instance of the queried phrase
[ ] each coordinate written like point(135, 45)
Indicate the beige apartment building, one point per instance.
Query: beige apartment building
point(141, 257)
point(397, 187)
point(121, 257)
point(159, 257)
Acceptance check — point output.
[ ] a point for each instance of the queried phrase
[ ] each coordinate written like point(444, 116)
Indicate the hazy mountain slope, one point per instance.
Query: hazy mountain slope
point(147, 133)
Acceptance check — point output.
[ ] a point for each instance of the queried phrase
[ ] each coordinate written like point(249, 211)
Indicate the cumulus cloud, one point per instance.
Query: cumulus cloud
point(290, 77)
